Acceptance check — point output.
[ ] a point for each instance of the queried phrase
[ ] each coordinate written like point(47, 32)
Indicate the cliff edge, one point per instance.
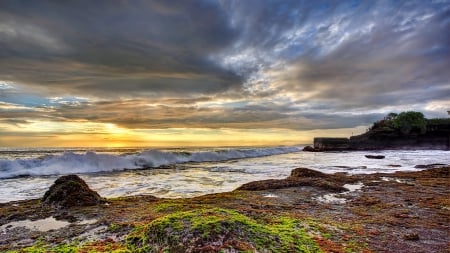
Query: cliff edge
point(407, 130)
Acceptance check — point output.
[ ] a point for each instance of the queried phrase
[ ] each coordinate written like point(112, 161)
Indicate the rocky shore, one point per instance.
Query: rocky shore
point(307, 212)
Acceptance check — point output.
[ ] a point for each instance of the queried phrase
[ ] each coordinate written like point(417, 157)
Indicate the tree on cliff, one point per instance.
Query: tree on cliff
point(405, 122)
point(409, 121)
point(391, 116)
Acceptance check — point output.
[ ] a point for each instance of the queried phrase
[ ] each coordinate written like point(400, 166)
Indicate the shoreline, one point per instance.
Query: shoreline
point(401, 212)
point(224, 176)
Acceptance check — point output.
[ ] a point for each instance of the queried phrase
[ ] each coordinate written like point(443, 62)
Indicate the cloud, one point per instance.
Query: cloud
point(160, 114)
point(122, 49)
point(350, 54)
point(298, 65)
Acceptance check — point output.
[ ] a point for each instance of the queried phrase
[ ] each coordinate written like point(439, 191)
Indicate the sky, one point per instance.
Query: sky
point(215, 73)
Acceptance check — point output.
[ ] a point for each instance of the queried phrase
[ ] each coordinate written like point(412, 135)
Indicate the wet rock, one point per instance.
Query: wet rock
point(429, 166)
point(309, 149)
point(292, 182)
point(70, 191)
point(299, 177)
point(411, 237)
point(305, 172)
point(438, 173)
point(375, 156)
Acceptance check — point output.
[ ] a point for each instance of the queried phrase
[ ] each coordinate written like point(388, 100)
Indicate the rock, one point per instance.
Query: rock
point(309, 149)
point(375, 156)
point(411, 237)
point(70, 191)
point(299, 177)
point(217, 230)
point(272, 184)
point(331, 144)
point(305, 172)
point(439, 172)
point(429, 166)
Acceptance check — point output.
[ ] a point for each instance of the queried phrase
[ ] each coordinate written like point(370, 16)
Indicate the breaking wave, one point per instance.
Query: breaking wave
point(91, 162)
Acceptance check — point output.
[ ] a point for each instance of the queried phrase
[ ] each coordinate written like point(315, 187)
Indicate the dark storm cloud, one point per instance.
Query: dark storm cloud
point(107, 47)
point(382, 67)
point(244, 64)
point(352, 54)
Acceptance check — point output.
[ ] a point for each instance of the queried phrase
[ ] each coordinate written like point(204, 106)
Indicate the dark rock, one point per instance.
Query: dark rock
point(437, 172)
point(70, 191)
point(429, 166)
point(330, 144)
point(305, 172)
point(292, 182)
point(309, 149)
point(375, 156)
point(301, 177)
point(394, 165)
point(411, 237)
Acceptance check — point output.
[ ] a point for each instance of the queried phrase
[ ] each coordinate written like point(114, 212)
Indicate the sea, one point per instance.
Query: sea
point(26, 173)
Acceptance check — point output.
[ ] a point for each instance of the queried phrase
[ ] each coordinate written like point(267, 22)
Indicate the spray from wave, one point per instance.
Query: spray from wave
point(91, 162)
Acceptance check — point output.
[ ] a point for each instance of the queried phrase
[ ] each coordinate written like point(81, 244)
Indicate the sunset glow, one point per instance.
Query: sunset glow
point(215, 73)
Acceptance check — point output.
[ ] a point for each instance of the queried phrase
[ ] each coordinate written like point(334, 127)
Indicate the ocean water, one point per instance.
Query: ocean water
point(184, 172)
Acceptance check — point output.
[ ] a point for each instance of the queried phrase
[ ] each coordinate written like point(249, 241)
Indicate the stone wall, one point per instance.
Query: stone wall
point(328, 144)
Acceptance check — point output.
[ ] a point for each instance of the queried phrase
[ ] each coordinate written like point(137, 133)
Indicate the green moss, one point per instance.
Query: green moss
point(114, 227)
point(93, 247)
point(220, 229)
point(40, 247)
point(167, 207)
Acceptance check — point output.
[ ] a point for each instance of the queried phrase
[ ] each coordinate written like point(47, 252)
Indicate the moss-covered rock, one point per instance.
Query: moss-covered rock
point(219, 230)
point(70, 191)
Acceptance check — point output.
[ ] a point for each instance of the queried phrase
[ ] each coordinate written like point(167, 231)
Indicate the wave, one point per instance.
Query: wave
point(91, 162)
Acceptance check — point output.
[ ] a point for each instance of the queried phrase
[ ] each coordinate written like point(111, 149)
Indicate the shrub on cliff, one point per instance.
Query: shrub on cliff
point(405, 122)
point(409, 121)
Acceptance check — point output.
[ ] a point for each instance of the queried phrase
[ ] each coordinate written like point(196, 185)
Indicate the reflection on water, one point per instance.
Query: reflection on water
point(42, 225)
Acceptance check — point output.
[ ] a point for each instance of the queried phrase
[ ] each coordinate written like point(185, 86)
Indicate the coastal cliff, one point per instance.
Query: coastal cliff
point(435, 137)
point(408, 132)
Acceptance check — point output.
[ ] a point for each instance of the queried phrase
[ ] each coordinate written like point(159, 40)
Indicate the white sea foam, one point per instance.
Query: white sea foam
point(91, 162)
point(221, 170)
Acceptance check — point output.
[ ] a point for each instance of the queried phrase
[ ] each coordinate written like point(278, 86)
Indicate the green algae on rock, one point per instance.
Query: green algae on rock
point(219, 230)
point(74, 247)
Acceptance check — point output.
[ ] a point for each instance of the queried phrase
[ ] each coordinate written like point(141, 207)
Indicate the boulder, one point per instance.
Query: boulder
point(305, 172)
point(70, 191)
